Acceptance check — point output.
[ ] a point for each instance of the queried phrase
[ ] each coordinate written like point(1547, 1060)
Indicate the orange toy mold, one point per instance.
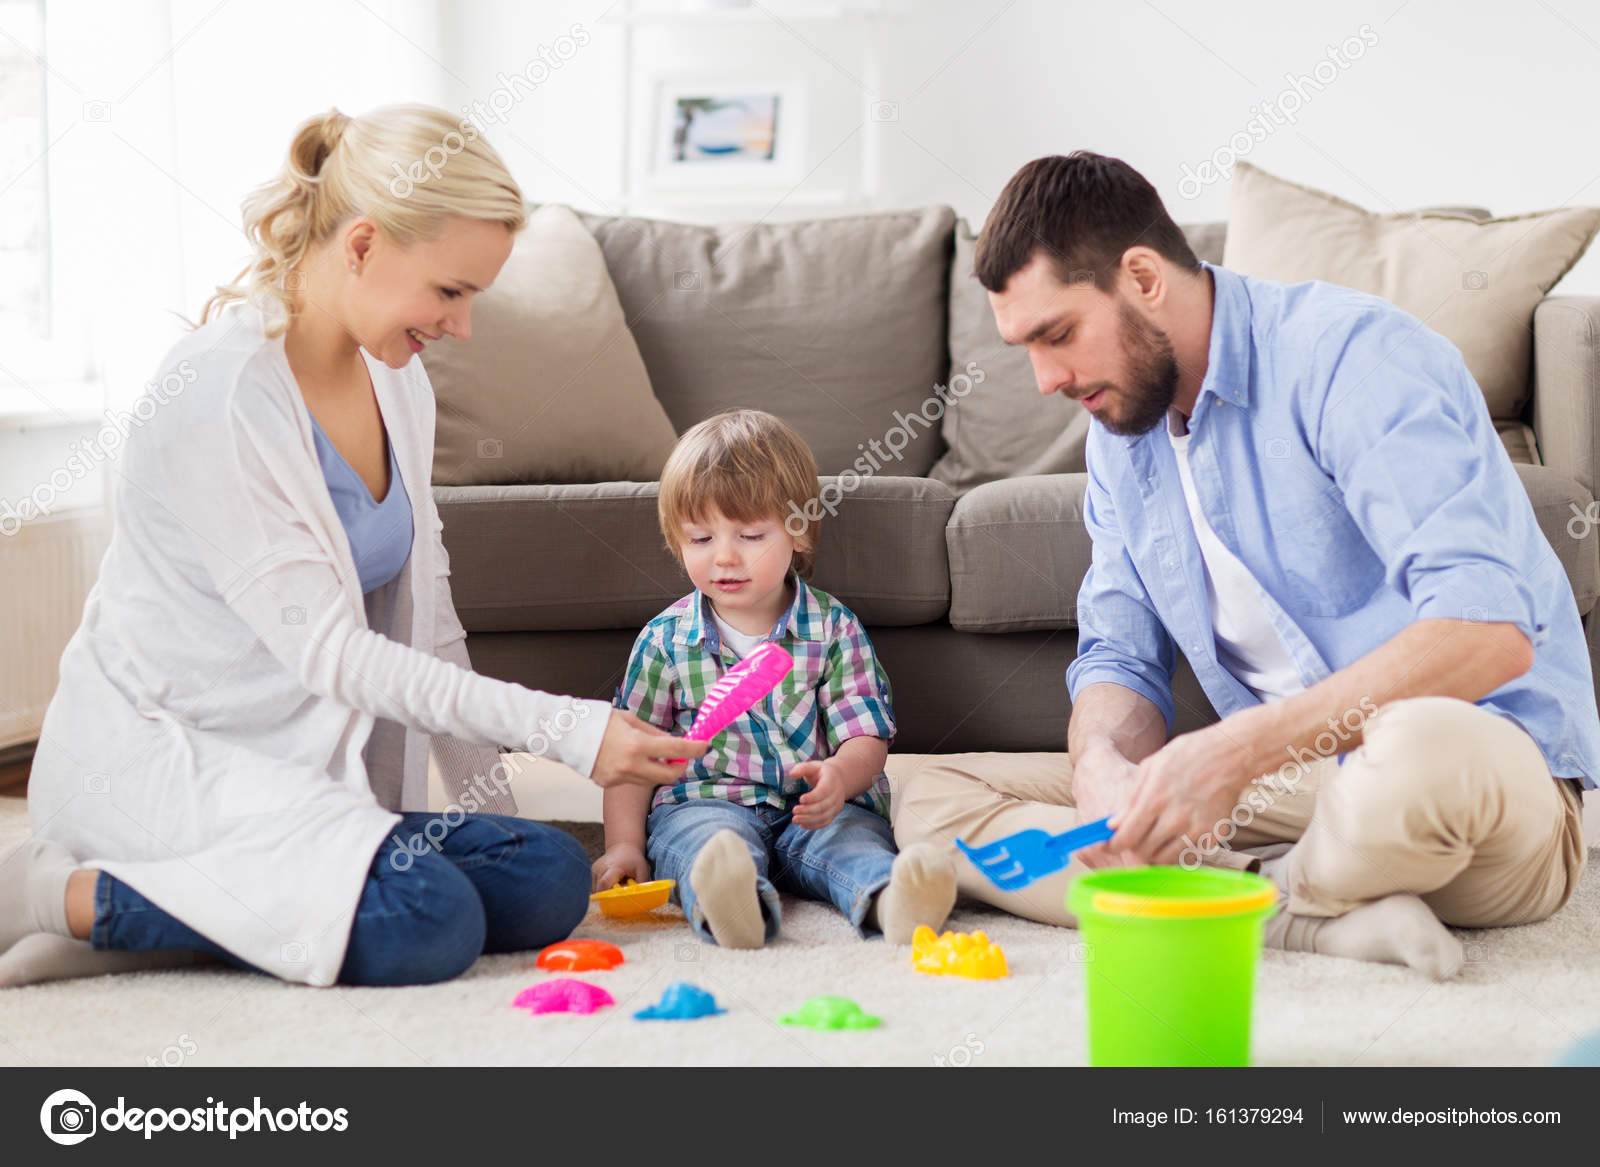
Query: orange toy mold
point(579, 956)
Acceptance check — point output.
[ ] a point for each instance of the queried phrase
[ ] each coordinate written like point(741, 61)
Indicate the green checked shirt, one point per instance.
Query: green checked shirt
point(837, 691)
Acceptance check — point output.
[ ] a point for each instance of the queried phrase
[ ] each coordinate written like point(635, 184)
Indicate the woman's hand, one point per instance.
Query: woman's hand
point(635, 753)
point(621, 861)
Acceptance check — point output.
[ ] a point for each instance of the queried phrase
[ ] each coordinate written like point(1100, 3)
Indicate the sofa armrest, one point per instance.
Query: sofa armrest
point(1566, 385)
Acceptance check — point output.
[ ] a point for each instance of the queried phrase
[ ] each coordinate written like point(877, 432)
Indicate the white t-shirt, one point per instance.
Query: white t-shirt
point(742, 643)
point(1247, 644)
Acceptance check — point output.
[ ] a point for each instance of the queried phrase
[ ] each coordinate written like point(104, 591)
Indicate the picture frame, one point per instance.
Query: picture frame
point(726, 133)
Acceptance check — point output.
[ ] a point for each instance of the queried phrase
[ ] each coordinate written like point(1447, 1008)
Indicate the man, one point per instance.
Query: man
point(1299, 488)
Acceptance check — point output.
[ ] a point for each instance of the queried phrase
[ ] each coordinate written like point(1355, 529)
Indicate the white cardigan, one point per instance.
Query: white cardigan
point(235, 723)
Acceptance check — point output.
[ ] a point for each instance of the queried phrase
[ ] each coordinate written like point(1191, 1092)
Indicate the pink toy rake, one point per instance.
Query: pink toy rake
point(740, 687)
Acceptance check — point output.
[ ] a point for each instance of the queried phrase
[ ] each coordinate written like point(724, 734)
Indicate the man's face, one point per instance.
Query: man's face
point(1092, 346)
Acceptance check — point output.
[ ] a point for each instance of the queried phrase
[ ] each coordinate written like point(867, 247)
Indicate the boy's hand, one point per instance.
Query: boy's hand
point(621, 861)
point(818, 806)
point(635, 752)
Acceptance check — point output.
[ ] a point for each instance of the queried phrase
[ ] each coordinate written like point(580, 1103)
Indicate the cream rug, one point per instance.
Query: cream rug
point(1525, 994)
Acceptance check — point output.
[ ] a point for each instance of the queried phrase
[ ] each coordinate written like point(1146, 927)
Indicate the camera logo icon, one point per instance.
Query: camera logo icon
point(1278, 449)
point(294, 614)
point(294, 952)
point(1474, 281)
point(885, 111)
point(491, 448)
point(97, 783)
point(686, 952)
point(97, 111)
point(686, 281)
point(68, 1117)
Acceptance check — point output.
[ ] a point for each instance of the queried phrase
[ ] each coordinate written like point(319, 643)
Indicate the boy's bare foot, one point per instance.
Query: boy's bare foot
point(1397, 929)
point(724, 881)
point(922, 890)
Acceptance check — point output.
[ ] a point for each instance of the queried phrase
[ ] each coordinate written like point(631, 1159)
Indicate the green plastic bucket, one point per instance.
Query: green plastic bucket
point(1172, 963)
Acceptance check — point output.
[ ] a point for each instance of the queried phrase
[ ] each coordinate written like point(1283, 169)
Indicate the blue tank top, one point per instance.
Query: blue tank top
point(379, 532)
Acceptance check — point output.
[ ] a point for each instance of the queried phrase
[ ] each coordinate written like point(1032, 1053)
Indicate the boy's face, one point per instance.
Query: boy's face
point(741, 566)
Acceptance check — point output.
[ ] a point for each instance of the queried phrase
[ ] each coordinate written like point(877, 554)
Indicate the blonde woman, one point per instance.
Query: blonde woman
point(235, 762)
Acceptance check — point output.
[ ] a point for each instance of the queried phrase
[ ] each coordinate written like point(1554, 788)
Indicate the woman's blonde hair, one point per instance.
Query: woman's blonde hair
point(751, 467)
point(407, 167)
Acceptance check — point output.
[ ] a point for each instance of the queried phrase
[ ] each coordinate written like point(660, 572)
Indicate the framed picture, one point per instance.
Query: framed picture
point(727, 133)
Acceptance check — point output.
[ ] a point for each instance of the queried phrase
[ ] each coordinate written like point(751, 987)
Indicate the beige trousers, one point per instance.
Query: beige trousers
point(1442, 799)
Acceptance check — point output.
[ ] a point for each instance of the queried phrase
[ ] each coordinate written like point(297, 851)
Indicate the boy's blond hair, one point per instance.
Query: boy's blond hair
point(750, 466)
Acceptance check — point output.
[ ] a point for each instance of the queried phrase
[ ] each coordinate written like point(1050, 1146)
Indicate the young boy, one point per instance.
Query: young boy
point(792, 796)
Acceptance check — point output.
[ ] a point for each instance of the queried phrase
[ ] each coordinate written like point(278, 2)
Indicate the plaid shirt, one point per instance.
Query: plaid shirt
point(837, 691)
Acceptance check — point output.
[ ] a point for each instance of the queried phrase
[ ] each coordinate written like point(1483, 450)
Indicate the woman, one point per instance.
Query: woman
point(271, 643)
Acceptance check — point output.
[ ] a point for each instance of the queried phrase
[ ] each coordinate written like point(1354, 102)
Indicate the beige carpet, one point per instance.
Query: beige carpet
point(1526, 994)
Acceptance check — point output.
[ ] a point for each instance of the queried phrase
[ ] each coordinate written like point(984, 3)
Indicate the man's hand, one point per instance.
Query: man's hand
point(1103, 783)
point(621, 861)
point(1185, 788)
point(819, 805)
point(634, 752)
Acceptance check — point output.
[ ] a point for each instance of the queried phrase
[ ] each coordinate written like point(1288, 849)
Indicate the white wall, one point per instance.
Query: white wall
point(1458, 103)
point(1454, 103)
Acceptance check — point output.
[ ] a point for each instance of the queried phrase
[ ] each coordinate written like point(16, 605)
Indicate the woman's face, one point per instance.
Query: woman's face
point(403, 299)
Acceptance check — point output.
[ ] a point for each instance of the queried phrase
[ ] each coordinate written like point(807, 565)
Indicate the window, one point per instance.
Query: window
point(24, 214)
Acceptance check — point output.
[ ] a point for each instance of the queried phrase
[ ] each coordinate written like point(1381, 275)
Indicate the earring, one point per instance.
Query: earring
point(352, 267)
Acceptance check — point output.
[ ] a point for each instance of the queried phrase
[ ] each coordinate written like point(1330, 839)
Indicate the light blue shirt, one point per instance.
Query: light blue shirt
point(379, 532)
point(1344, 453)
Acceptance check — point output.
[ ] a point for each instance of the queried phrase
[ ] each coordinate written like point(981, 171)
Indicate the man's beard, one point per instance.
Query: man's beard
point(1152, 379)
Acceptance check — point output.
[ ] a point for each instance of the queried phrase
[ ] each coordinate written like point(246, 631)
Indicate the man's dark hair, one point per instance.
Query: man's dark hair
point(1083, 210)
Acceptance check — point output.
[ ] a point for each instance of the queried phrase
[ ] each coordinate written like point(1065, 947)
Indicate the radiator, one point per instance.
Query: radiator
point(46, 570)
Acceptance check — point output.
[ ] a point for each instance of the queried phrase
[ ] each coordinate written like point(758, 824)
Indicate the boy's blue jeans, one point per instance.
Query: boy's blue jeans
point(495, 884)
point(846, 863)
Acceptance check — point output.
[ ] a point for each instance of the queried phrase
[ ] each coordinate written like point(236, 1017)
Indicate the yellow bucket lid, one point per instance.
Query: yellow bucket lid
point(1116, 903)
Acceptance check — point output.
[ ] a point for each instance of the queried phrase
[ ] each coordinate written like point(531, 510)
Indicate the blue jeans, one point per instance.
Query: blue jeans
point(495, 884)
point(846, 863)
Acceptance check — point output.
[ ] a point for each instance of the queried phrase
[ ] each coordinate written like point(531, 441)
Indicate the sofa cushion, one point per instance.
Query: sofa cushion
point(836, 325)
point(537, 393)
point(1474, 282)
point(542, 558)
point(1562, 507)
point(1019, 549)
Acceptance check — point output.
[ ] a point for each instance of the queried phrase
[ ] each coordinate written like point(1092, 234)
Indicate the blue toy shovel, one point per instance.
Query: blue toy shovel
point(1017, 860)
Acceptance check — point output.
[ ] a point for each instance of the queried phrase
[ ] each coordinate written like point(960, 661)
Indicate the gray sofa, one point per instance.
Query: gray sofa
point(967, 585)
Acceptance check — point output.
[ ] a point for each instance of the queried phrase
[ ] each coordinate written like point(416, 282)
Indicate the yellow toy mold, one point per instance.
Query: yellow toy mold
point(957, 954)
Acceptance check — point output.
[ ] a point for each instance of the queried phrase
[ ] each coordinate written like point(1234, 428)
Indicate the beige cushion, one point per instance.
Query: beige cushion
point(550, 388)
point(1476, 283)
point(835, 325)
